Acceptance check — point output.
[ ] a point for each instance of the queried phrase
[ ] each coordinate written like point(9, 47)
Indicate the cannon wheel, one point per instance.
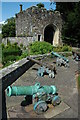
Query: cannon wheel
point(66, 65)
point(40, 107)
point(56, 100)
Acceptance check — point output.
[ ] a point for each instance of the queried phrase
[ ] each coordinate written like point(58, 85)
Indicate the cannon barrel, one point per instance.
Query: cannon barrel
point(30, 90)
point(42, 64)
point(36, 61)
point(60, 56)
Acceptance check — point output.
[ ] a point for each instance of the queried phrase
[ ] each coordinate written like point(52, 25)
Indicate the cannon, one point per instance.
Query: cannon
point(45, 68)
point(76, 55)
point(61, 60)
point(41, 95)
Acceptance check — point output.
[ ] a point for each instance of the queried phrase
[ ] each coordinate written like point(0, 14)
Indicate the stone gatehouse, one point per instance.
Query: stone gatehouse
point(39, 23)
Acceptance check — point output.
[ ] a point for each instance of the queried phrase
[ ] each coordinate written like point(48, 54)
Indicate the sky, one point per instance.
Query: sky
point(9, 9)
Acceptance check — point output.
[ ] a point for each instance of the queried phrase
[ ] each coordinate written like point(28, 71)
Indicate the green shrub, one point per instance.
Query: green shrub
point(2, 45)
point(24, 48)
point(38, 47)
point(7, 64)
point(24, 54)
point(64, 48)
point(15, 44)
point(21, 45)
point(8, 43)
point(10, 53)
point(79, 80)
point(11, 50)
point(8, 59)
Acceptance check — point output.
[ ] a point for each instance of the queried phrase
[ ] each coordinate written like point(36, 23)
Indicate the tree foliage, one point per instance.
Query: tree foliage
point(10, 53)
point(71, 15)
point(40, 5)
point(8, 29)
point(38, 47)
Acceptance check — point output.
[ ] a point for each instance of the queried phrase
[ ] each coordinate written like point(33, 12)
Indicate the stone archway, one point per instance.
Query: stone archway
point(49, 33)
point(52, 34)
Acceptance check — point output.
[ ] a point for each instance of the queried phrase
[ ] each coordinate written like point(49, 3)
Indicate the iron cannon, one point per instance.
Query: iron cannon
point(76, 55)
point(61, 60)
point(41, 95)
point(45, 68)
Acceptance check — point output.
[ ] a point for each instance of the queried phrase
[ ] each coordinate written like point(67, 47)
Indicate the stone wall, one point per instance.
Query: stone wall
point(33, 21)
point(24, 40)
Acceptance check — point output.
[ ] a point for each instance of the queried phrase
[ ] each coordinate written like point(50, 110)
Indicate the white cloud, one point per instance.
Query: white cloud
point(2, 22)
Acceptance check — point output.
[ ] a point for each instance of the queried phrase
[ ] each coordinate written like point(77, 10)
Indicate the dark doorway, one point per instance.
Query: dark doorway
point(39, 37)
point(48, 34)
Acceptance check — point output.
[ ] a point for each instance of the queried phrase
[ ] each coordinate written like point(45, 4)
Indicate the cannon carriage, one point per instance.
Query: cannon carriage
point(61, 60)
point(45, 68)
point(76, 55)
point(41, 95)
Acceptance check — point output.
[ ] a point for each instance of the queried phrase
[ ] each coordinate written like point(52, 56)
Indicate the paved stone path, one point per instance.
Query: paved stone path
point(65, 81)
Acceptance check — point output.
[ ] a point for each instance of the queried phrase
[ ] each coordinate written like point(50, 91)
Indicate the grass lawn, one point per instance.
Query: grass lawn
point(79, 80)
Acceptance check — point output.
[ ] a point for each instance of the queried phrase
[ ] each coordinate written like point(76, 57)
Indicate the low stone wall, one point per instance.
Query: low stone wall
point(24, 40)
point(11, 73)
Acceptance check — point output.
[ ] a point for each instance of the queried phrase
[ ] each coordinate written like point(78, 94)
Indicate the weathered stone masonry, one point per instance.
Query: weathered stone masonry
point(39, 23)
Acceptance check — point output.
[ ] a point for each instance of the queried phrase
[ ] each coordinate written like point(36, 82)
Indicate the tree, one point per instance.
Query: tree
point(40, 5)
point(8, 29)
point(64, 8)
point(71, 15)
point(0, 38)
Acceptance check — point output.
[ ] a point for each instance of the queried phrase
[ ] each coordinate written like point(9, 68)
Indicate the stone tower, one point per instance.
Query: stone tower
point(39, 23)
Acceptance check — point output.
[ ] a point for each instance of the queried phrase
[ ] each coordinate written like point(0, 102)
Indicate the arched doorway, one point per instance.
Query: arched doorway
point(49, 33)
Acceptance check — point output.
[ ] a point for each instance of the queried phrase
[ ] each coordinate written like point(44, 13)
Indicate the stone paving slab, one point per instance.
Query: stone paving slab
point(56, 110)
point(69, 113)
point(64, 80)
point(28, 112)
